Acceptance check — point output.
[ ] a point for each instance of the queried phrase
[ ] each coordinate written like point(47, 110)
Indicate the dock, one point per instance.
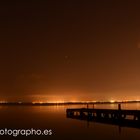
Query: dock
point(128, 118)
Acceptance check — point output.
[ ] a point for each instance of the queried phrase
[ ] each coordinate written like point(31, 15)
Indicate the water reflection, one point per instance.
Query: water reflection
point(54, 117)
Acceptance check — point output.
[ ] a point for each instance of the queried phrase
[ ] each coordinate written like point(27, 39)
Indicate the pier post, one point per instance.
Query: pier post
point(119, 115)
point(87, 106)
point(93, 106)
point(119, 106)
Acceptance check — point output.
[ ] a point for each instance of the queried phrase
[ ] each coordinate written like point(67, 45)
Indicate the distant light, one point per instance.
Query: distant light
point(20, 102)
point(56, 102)
point(60, 101)
point(37, 102)
point(33, 102)
point(94, 101)
point(112, 101)
point(40, 102)
point(3, 102)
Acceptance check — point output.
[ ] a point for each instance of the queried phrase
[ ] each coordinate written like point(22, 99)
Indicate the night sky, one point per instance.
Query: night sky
point(70, 50)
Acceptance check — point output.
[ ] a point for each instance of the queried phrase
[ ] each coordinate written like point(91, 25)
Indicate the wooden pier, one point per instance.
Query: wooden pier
point(130, 118)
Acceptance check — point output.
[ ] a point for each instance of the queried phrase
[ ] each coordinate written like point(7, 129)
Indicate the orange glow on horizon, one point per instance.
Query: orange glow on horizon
point(2, 102)
point(112, 101)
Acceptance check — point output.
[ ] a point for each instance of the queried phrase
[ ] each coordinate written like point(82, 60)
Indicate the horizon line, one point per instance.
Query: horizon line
point(68, 102)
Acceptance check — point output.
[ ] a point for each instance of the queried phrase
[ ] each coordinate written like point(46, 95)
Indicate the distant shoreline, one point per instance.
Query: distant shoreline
point(59, 104)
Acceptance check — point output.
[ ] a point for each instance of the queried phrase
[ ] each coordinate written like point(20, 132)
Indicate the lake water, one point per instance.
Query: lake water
point(54, 118)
